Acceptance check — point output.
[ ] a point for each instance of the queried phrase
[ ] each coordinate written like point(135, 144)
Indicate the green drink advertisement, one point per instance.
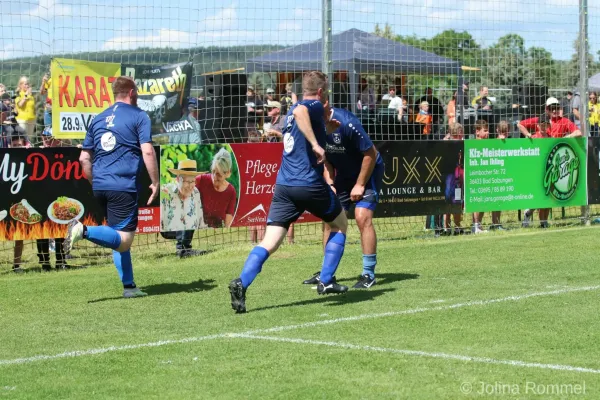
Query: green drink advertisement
point(515, 174)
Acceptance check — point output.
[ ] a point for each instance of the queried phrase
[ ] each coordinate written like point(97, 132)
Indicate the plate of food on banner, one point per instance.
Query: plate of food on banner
point(25, 213)
point(65, 209)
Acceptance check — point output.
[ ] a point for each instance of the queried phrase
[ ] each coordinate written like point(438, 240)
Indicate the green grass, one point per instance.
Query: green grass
point(52, 313)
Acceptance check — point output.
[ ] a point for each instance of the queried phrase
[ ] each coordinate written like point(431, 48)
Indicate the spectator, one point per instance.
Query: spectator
point(254, 105)
point(456, 132)
point(274, 127)
point(25, 107)
point(436, 110)
point(482, 102)
point(424, 117)
point(481, 132)
point(366, 102)
point(186, 135)
point(288, 99)
point(550, 125)
point(43, 245)
point(565, 105)
point(218, 195)
point(8, 122)
point(576, 109)
point(502, 133)
point(451, 110)
point(394, 102)
point(466, 101)
point(594, 113)
point(46, 90)
point(17, 141)
point(2, 89)
point(270, 95)
point(559, 126)
point(341, 92)
point(181, 207)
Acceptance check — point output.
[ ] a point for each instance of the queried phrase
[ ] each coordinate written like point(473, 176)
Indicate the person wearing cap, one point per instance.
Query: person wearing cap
point(559, 126)
point(181, 205)
point(187, 130)
point(274, 127)
point(549, 125)
point(270, 95)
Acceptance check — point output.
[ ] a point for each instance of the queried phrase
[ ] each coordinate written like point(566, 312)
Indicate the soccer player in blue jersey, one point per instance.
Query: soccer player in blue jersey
point(116, 142)
point(300, 186)
point(358, 169)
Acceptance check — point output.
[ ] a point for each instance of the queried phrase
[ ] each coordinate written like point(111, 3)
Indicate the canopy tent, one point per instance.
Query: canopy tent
point(594, 83)
point(356, 52)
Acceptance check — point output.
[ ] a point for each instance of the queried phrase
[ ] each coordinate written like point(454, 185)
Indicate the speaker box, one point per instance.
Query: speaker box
point(234, 88)
point(213, 86)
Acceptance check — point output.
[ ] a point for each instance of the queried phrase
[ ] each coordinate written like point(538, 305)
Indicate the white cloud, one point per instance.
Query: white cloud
point(47, 9)
point(164, 38)
point(225, 18)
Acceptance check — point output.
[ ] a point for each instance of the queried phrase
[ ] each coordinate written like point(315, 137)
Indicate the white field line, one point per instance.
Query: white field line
point(422, 309)
point(103, 350)
point(458, 357)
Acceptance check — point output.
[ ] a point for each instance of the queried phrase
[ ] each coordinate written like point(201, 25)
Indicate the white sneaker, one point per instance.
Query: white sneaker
point(52, 246)
point(477, 229)
point(74, 234)
point(129, 293)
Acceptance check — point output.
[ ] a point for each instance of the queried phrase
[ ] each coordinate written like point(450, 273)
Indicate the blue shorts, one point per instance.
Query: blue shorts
point(120, 208)
point(370, 197)
point(289, 202)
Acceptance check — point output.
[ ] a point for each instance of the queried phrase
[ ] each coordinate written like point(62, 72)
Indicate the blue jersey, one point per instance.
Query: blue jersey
point(345, 148)
point(299, 164)
point(115, 136)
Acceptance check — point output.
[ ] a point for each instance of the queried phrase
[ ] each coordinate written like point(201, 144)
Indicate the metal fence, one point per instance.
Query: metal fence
point(520, 52)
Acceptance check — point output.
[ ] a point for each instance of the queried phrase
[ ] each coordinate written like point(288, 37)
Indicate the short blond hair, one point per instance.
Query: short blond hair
point(455, 129)
point(312, 81)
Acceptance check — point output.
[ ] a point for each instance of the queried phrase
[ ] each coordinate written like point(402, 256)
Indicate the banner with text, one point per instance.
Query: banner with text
point(195, 195)
point(80, 91)
point(525, 173)
point(420, 178)
point(44, 189)
point(162, 94)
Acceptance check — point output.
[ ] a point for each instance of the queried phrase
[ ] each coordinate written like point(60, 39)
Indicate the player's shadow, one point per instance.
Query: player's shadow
point(386, 278)
point(352, 296)
point(170, 288)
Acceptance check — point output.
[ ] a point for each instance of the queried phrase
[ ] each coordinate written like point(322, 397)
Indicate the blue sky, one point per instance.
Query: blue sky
point(32, 27)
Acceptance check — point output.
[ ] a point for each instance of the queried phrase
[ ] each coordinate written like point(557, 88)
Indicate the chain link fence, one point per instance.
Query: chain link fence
point(494, 60)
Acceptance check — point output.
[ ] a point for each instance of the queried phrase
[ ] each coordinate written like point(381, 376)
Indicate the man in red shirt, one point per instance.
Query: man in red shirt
point(549, 125)
point(559, 126)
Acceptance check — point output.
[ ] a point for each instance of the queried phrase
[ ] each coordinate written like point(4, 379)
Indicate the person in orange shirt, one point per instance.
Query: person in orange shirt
point(451, 110)
point(424, 117)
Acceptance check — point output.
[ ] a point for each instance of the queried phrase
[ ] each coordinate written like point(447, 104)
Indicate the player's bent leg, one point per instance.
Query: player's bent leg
point(274, 236)
point(368, 240)
point(334, 250)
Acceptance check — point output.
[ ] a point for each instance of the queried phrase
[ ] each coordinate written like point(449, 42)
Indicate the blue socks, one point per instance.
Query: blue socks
point(369, 263)
point(124, 267)
point(103, 236)
point(253, 265)
point(334, 250)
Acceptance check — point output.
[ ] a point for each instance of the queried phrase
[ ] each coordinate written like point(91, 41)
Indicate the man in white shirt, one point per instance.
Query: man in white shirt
point(395, 102)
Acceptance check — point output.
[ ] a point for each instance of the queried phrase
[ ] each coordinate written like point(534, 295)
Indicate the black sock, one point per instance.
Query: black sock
point(85, 231)
point(131, 286)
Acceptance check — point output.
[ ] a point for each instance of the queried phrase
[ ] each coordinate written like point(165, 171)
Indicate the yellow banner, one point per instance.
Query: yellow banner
point(80, 91)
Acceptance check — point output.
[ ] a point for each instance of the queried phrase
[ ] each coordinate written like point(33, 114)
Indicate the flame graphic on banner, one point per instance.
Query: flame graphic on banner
point(12, 230)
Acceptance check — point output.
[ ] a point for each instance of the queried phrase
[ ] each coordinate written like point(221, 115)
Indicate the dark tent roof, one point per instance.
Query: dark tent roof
point(358, 51)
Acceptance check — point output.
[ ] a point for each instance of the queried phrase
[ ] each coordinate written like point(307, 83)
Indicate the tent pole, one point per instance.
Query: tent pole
point(327, 45)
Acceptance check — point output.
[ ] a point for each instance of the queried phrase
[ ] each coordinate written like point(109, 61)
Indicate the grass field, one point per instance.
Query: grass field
point(510, 315)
